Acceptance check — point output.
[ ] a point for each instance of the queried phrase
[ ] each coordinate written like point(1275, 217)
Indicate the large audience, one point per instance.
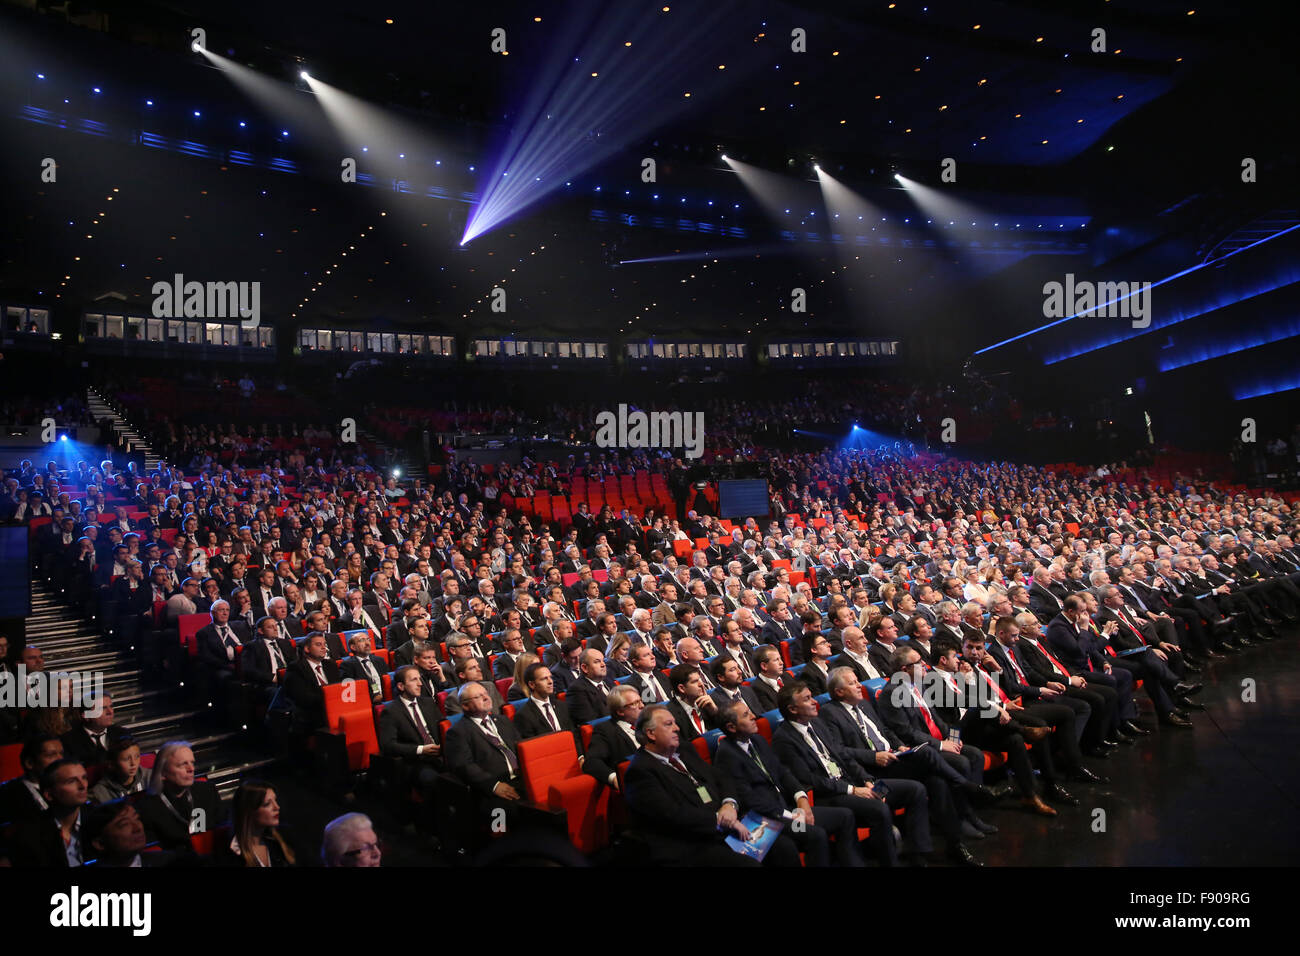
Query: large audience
point(855, 664)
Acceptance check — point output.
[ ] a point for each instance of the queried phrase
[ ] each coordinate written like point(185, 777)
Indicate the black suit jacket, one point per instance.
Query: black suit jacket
point(765, 694)
point(469, 753)
point(585, 702)
point(686, 726)
point(255, 662)
point(747, 694)
point(304, 691)
point(665, 803)
point(398, 736)
point(643, 687)
point(879, 655)
point(609, 747)
point(17, 802)
point(531, 722)
point(211, 650)
point(170, 831)
point(352, 667)
point(849, 736)
point(78, 745)
point(906, 722)
point(807, 769)
point(814, 678)
point(768, 789)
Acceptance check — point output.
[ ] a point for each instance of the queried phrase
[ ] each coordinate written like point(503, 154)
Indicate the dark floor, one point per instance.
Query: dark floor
point(1225, 793)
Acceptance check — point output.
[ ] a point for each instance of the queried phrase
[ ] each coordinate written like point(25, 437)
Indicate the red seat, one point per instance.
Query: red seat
point(349, 713)
point(10, 764)
point(682, 549)
point(190, 625)
point(702, 748)
point(553, 778)
point(503, 686)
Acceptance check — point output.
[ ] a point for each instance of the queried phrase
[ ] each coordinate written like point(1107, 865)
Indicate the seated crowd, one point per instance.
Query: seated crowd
point(853, 667)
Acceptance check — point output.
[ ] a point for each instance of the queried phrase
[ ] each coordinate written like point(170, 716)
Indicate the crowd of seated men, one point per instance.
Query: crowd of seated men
point(1006, 611)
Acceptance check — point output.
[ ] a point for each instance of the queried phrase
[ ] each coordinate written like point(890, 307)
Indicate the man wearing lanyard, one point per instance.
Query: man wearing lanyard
point(684, 809)
point(364, 667)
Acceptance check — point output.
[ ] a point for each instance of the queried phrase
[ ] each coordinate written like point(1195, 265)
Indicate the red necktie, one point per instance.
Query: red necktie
point(1055, 662)
point(925, 712)
point(780, 684)
point(1136, 632)
point(699, 725)
point(997, 687)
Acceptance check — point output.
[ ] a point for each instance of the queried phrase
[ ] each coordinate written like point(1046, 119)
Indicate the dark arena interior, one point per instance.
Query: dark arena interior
point(627, 435)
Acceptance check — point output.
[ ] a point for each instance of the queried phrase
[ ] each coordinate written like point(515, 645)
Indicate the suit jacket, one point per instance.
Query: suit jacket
point(472, 756)
point(907, 722)
point(1124, 639)
point(844, 660)
point(17, 802)
point(211, 650)
point(1043, 602)
point(1069, 648)
point(768, 789)
point(765, 694)
point(1035, 664)
point(645, 688)
point(531, 722)
point(353, 668)
point(172, 832)
point(814, 678)
point(686, 726)
point(503, 666)
point(666, 803)
point(807, 769)
point(398, 736)
point(78, 745)
point(747, 694)
point(774, 632)
point(879, 656)
point(848, 734)
point(1011, 684)
point(304, 691)
point(609, 747)
point(585, 702)
point(255, 662)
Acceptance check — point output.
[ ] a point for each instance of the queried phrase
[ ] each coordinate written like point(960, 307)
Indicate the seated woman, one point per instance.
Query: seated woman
point(122, 773)
point(255, 819)
point(519, 689)
point(616, 665)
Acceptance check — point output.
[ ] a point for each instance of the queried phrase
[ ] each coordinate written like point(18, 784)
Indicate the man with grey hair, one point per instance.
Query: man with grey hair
point(350, 840)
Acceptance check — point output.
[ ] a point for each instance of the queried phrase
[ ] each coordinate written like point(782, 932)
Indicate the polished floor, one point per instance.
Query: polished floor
point(1225, 793)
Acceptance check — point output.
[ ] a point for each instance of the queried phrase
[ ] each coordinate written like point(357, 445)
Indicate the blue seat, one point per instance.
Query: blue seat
point(875, 684)
point(823, 698)
point(711, 737)
point(797, 669)
point(773, 717)
point(598, 720)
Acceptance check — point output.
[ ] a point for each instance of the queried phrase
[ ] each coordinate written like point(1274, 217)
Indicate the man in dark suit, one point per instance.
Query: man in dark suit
point(772, 676)
point(363, 666)
point(408, 729)
point(856, 726)
point(567, 668)
point(614, 740)
point(782, 626)
point(1120, 629)
point(265, 655)
point(22, 797)
point(49, 839)
point(1070, 640)
point(304, 680)
point(482, 750)
point(884, 636)
point(764, 786)
point(817, 670)
point(682, 805)
point(646, 679)
point(691, 706)
point(838, 780)
point(89, 741)
point(1040, 666)
point(1042, 602)
point(217, 641)
point(543, 713)
point(730, 684)
point(586, 696)
point(513, 647)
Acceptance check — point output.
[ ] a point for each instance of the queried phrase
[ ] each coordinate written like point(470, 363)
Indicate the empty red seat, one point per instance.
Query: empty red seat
point(553, 778)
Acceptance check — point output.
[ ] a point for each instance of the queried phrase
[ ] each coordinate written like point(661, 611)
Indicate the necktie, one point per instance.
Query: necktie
point(873, 738)
point(418, 719)
point(1002, 695)
point(1015, 666)
point(744, 665)
point(1136, 633)
point(780, 683)
point(320, 675)
point(1055, 662)
point(695, 717)
point(550, 715)
point(925, 713)
point(511, 762)
point(228, 639)
point(276, 657)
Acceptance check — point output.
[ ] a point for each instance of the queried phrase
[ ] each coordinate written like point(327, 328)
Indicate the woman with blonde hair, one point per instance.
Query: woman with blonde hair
point(519, 689)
